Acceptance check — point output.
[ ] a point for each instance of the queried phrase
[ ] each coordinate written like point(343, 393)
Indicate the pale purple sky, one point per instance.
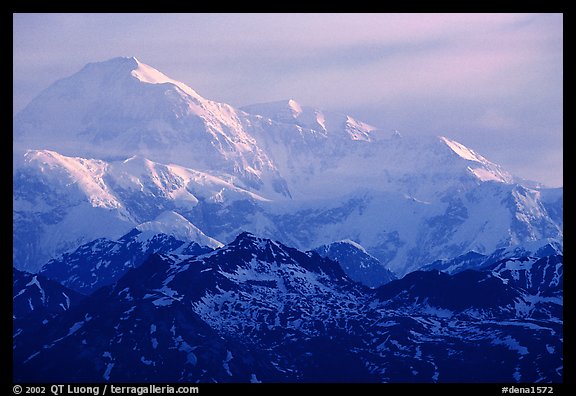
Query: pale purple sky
point(494, 82)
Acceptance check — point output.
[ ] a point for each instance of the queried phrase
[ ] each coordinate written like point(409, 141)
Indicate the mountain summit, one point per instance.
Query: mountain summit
point(122, 107)
point(120, 144)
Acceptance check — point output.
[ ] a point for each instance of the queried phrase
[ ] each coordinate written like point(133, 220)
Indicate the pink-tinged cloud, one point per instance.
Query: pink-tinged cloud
point(474, 77)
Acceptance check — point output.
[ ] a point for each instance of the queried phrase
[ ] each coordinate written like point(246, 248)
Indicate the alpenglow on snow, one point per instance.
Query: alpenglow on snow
point(160, 236)
point(118, 144)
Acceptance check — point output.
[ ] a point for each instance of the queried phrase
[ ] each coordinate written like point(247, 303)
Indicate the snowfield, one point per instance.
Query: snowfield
point(161, 236)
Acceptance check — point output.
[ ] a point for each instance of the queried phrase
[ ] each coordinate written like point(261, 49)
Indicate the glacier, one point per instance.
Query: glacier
point(119, 144)
point(161, 236)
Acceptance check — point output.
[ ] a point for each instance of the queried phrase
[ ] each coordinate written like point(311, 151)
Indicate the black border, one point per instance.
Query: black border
point(398, 388)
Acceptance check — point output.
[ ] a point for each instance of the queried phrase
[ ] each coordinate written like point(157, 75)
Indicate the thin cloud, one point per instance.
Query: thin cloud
point(472, 75)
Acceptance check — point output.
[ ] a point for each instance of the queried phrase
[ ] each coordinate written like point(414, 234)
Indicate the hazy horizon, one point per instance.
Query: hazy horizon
point(490, 81)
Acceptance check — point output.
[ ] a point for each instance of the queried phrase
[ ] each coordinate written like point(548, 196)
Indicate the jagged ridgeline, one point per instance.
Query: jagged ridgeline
point(161, 236)
point(257, 310)
point(119, 143)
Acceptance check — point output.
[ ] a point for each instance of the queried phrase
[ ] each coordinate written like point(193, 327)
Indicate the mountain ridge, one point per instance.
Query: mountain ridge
point(128, 143)
point(258, 309)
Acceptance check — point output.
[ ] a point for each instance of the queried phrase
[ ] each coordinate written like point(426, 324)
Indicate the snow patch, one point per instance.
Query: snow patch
point(163, 302)
point(225, 362)
point(183, 346)
point(35, 282)
point(512, 344)
point(75, 327)
point(172, 223)
point(147, 362)
point(109, 368)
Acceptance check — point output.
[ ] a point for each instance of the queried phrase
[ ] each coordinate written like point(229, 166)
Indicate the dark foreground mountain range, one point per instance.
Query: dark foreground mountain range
point(257, 310)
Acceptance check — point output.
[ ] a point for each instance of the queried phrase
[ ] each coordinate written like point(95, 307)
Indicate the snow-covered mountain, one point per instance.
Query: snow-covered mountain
point(62, 202)
point(258, 310)
point(475, 260)
point(119, 143)
point(173, 224)
point(357, 263)
point(103, 261)
point(122, 107)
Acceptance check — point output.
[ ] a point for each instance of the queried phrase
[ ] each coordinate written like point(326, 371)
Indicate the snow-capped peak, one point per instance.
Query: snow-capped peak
point(119, 63)
point(150, 75)
point(291, 112)
point(85, 174)
point(463, 151)
point(141, 71)
point(270, 169)
point(285, 111)
point(357, 263)
point(483, 169)
point(172, 223)
point(147, 74)
point(353, 244)
point(123, 107)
